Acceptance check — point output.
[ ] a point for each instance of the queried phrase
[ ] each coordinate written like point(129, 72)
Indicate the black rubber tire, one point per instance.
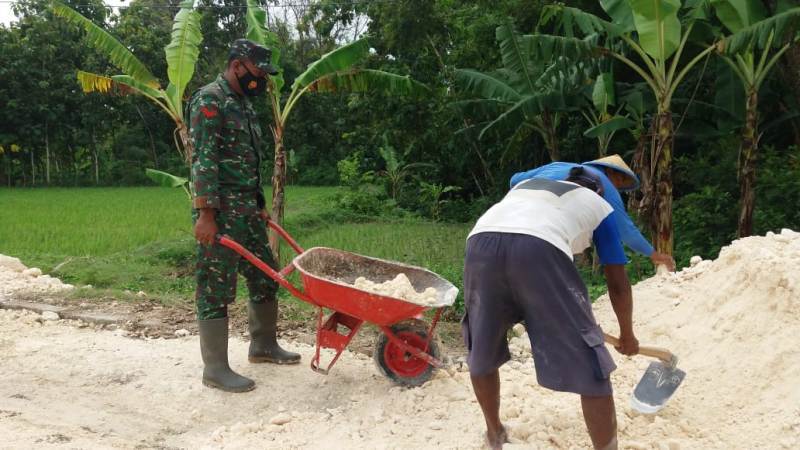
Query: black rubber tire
point(420, 376)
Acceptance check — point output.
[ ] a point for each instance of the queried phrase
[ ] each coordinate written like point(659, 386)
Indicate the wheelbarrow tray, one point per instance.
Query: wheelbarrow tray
point(328, 276)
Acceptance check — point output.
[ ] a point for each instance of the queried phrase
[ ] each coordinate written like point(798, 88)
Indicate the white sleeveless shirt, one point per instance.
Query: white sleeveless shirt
point(559, 212)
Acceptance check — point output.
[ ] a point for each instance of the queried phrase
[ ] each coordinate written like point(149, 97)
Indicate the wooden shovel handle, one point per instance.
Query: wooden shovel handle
point(653, 352)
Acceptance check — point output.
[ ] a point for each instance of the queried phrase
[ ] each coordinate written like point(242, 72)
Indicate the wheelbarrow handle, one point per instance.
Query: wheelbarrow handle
point(285, 235)
point(226, 241)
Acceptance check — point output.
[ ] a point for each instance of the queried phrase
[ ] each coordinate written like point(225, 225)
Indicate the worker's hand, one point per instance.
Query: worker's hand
point(663, 259)
point(206, 229)
point(264, 215)
point(628, 344)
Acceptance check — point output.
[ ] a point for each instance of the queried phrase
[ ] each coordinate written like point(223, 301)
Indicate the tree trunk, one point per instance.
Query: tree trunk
point(33, 169)
point(662, 178)
point(747, 166)
point(47, 153)
point(638, 200)
point(186, 143)
point(96, 161)
point(791, 76)
point(278, 184)
point(150, 134)
point(550, 124)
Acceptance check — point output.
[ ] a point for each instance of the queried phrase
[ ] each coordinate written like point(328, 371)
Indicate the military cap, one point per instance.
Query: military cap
point(259, 55)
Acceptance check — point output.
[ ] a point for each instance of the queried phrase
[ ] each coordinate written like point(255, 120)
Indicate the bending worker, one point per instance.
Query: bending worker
point(616, 176)
point(518, 268)
point(229, 200)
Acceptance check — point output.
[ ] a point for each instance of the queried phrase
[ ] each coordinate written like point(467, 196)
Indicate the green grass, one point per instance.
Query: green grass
point(140, 238)
point(42, 225)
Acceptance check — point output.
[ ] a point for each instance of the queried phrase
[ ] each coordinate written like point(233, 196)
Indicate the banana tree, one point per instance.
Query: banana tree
point(604, 123)
point(535, 87)
point(136, 78)
point(654, 32)
point(335, 71)
point(755, 45)
point(396, 171)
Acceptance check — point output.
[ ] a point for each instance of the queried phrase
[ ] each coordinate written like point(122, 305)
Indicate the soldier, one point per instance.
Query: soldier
point(229, 200)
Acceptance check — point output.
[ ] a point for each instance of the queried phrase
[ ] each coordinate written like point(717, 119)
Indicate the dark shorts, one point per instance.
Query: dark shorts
point(512, 278)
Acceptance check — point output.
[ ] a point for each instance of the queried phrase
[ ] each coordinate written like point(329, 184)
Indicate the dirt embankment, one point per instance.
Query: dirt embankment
point(733, 323)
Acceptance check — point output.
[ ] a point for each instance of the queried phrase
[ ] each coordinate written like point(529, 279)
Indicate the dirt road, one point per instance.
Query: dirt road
point(732, 321)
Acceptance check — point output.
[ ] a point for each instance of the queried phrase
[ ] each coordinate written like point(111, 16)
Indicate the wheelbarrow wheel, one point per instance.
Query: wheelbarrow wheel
point(399, 365)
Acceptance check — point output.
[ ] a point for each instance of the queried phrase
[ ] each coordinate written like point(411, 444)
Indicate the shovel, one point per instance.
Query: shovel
point(659, 381)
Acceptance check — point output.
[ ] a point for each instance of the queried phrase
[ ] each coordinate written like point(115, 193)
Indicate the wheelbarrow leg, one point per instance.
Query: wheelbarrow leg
point(328, 336)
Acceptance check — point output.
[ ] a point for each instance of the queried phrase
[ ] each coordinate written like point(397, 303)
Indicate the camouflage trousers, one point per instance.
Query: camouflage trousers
point(218, 266)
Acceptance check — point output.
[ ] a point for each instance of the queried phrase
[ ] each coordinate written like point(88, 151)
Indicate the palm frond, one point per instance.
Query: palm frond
point(100, 39)
point(480, 107)
point(92, 82)
point(545, 47)
point(369, 80)
point(610, 126)
point(532, 106)
point(621, 13)
point(576, 22)
point(784, 25)
point(515, 53)
point(257, 32)
point(485, 85)
point(184, 48)
point(137, 85)
point(339, 60)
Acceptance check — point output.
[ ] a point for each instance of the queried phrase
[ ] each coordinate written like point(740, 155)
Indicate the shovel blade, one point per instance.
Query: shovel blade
point(656, 387)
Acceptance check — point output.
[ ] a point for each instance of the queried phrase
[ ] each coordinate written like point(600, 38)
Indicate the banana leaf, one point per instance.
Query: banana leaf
point(758, 34)
point(165, 179)
point(339, 60)
point(739, 14)
point(257, 32)
point(658, 26)
point(368, 80)
point(100, 39)
point(485, 85)
point(610, 126)
point(619, 11)
point(183, 49)
point(603, 94)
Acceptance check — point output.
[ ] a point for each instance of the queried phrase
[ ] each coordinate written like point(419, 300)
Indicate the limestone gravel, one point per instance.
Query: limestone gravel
point(732, 321)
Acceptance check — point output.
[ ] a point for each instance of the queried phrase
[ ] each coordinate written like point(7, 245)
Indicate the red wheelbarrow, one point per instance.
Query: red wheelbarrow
point(405, 352)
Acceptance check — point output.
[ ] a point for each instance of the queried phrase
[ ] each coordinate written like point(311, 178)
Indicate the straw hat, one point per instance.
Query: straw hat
point(617, 163)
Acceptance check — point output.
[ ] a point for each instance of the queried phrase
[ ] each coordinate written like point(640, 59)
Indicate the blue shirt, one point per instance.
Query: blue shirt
point(607, 242)
point(625, 227)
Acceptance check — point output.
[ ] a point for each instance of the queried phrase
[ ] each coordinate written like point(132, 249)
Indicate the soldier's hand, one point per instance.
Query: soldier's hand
point(264, 215)
point(205, 229)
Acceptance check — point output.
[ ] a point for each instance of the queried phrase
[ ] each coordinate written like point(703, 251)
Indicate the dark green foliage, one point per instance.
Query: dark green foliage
point(704, 222)
point(778, 191)
point(95, 139)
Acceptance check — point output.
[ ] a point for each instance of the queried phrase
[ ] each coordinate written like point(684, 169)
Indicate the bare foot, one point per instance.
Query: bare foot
point(495, 441)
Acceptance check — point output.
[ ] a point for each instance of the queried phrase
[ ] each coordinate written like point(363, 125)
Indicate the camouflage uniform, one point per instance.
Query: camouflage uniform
point(225, 173)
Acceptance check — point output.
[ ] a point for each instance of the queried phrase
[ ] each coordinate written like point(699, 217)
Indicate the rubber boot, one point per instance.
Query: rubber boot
point(214, 349)
point(263, 320)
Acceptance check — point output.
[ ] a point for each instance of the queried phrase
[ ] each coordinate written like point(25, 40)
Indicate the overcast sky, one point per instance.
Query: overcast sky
point(6, 15)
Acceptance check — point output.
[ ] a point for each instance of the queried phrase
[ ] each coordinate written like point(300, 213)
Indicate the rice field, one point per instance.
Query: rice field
point(141, 238)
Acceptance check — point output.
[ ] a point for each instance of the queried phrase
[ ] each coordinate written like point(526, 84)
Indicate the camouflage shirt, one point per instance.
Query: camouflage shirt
point(227, 142)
